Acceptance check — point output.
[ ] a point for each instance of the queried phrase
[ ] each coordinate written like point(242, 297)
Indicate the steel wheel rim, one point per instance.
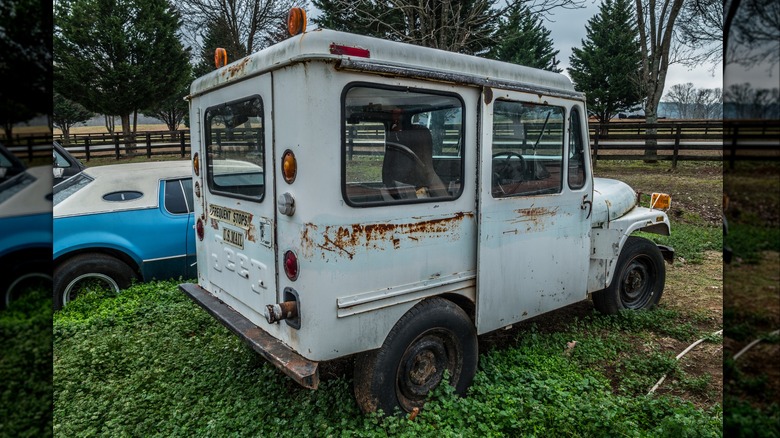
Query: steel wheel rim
point(636, 285)
point(68, 293)
point(10, 291)
point(423, 364)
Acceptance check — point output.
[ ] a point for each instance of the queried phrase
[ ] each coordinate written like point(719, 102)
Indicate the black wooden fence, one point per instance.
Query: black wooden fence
point(671, 141)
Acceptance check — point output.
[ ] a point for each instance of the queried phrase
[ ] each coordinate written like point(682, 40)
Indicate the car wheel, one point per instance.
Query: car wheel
point(26, 277)
point(433, 336)
point(89, 271)
point(638, 281)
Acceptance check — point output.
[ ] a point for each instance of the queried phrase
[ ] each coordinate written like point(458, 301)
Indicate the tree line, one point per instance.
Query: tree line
point(122, 57)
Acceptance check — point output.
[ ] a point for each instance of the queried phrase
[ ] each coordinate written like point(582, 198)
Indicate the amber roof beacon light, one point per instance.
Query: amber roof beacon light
point(296, 21)
point(220, 57)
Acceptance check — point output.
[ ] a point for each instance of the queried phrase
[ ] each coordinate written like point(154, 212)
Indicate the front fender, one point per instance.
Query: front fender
point(607, 242)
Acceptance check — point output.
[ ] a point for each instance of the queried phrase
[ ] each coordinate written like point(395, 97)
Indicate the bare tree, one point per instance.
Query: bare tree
point(464, 26)
point(746, 102)
point(250, 24)
point(695, 103)
point(701, 31)
point(681, 96)
point(753, 32)
point(656, 22)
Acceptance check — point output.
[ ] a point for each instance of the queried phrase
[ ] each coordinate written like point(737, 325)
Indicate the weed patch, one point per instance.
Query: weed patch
point(150, 362)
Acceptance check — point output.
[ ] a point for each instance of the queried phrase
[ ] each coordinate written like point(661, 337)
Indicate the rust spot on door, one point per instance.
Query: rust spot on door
point(345, 239)
point(535, 217)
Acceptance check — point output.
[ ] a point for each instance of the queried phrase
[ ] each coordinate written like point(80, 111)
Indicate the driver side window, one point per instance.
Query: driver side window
point(527, 149)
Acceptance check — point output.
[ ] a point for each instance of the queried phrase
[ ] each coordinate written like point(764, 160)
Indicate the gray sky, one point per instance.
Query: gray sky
point(567, 30)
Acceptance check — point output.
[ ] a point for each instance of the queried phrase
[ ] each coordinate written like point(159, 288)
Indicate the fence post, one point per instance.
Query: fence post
point(86, 147)
point(116, 145)
point(148, 145)
point(29, 149)
point(733, 157)
point(182, 144)
point(351, 143)
point(676, 148)
point(596, 132)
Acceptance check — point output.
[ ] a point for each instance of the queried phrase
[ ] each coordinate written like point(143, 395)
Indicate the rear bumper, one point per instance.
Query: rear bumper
point(300, 369)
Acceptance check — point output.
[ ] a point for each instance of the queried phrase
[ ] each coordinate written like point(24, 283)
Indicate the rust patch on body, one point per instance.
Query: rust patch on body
point(345, 239)
point(237, 69)
point(534, 217)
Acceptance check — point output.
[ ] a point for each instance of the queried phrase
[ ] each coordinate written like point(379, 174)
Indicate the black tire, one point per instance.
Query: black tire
point(432, 336)
point(22, 278)
point(639, 278)
point(111, 272)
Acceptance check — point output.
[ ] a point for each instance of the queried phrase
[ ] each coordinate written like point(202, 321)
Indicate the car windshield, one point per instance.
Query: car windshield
point(70, 186)
point(15, 185)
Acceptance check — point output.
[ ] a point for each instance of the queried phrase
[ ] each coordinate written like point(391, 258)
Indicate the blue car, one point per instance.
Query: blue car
point(121, 223)
point(25, 227)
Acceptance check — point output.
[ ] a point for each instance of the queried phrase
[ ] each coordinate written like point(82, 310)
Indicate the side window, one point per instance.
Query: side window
point(527, 149)
point(59, 160)
point(175, 198)
point(235, 149)
point(401, 145)
point(576, 151)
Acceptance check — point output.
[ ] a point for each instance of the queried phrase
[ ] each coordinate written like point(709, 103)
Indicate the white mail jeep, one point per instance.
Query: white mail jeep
point(355, 196)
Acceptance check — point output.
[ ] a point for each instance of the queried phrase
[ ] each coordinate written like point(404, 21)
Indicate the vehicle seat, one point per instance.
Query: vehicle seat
point(400, 168)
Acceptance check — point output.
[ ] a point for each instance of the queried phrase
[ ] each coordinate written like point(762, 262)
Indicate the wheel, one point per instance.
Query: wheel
point(89, 271)
point(638, 281)
point(23, 278)
point(433, 336)
point(507, 172)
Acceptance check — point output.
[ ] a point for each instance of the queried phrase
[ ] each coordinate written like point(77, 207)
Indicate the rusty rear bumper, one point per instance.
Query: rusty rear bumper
point(300, 369)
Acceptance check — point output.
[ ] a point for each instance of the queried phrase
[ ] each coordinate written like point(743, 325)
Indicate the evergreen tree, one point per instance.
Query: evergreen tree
point(522, 39)
point(67, 113)
point(607, 65)
point(463, 26)
point(118, 56)
point(25, 61)
point(173, 109)
point(218, 34)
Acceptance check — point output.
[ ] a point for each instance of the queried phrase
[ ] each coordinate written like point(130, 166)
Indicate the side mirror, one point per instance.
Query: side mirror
point(58, 172)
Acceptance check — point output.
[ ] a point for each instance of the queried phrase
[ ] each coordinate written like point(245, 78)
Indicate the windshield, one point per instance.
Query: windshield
point(70, 186)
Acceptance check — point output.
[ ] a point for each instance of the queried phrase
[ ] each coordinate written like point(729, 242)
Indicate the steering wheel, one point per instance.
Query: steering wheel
point(507, 172)
point(406, 151)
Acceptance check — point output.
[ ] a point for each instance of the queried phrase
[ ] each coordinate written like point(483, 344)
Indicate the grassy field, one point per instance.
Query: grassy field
point(752, 299)
point(150, 362)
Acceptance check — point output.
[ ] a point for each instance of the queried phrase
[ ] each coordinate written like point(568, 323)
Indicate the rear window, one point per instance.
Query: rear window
point(67, 188)
point(401, 145)
point(15, 185)
point(178, 196)
point(235, 149)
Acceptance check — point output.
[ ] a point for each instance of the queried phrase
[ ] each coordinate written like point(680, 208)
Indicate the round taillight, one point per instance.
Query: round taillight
point(196, 164)
point(199, 229)
point(196, 189)
point(289, 166)
point(291, 265)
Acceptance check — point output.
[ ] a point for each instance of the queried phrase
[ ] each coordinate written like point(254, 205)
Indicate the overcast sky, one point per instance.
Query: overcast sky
point(568, 30)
